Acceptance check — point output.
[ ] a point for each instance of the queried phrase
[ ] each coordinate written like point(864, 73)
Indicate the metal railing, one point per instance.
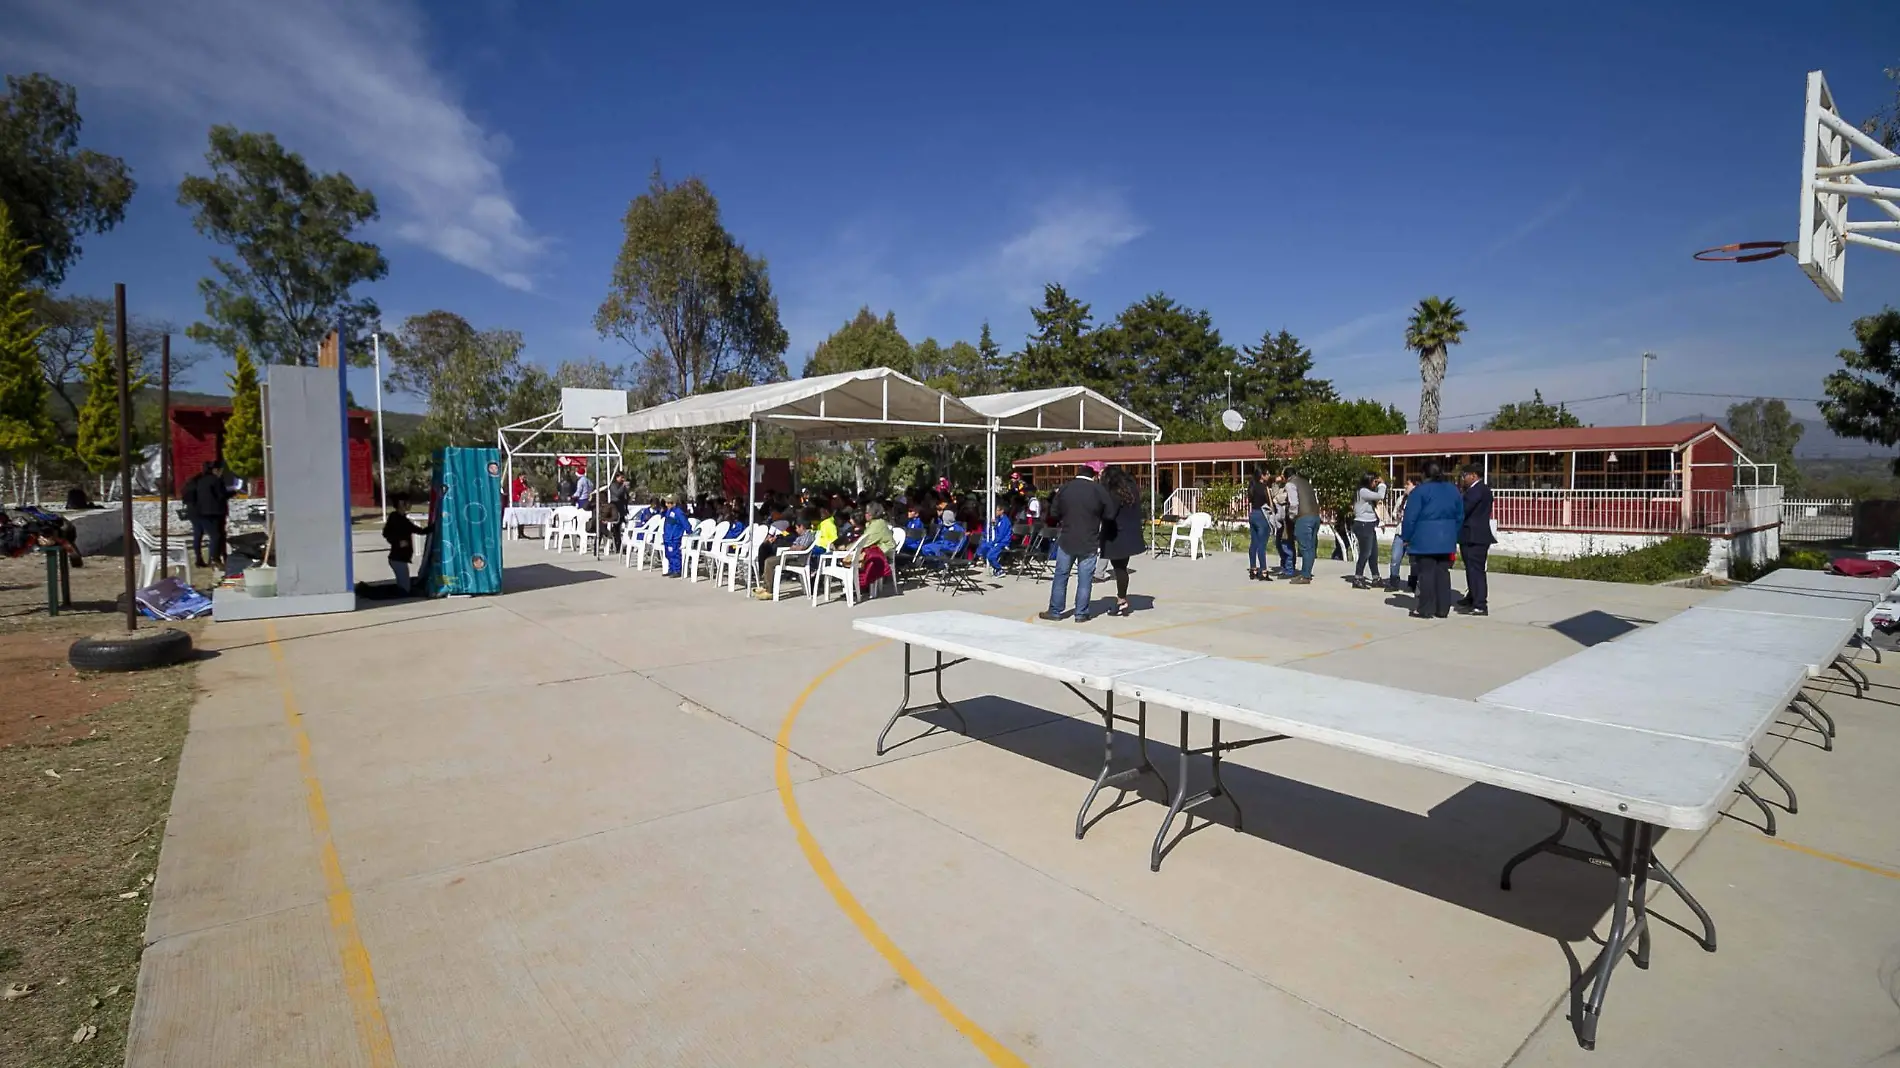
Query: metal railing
point(1817, 519)
point(1709, 511)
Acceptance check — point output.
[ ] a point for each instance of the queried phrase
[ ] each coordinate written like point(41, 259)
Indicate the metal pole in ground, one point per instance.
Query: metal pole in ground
point(125, 461)
point(382, 468)
point(164, 446)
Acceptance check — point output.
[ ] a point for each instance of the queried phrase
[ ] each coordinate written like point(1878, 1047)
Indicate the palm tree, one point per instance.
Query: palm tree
point(1436, 326)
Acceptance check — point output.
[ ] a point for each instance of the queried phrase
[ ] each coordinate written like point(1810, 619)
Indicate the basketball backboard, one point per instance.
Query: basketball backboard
point(580, 407)
point(1829, 176)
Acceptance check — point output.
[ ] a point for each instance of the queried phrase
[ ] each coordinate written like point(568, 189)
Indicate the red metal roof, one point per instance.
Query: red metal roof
point(1580, 439)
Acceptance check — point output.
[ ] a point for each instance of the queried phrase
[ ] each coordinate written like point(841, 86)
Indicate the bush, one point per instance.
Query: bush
point(1805, 560)
point(1674, 558)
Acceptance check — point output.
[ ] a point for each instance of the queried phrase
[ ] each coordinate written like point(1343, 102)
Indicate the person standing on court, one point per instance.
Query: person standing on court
point(1475, 541)
point(1080, 509)
point(1303, 504)
point(1365, 530)
point(207, 502)
point(1259, 526)
point(1434, 517)
point(1122, 538)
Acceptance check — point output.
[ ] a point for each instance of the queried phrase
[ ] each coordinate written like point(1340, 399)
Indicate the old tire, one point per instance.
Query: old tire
point(130, 652)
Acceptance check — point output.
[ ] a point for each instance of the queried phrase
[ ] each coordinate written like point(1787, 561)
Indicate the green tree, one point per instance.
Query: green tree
point(465, 374)
point(1768, 433)
point(1336, 419)
point(1062, 351)
point(1863, 401)
point(243, 444)
point(68, 324)
point(54, 189)
point(97, 444)
point(865, 341)
point(25, 428)
point(1533, 414)
point(691, 301)
point(995, 369)
point(1275, 374)
point(295, 261)
point(1436, 326)
point(1167, 363)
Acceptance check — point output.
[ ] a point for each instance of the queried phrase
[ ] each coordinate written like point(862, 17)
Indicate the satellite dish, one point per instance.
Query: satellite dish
point(1232, 420)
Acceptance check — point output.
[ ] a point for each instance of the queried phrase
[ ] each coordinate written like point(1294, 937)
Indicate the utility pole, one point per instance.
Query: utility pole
point(125, 462)
point(1647, 356)
point(1230, 389)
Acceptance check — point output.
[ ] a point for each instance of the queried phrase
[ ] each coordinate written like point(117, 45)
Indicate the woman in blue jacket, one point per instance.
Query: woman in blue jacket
point(1434, 514)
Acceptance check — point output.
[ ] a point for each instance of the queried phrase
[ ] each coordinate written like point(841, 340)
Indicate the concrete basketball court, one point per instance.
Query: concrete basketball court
point(611, 819)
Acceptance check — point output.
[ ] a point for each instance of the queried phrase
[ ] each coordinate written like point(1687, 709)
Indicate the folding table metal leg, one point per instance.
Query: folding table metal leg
point(904, 707)
point(1827, 736)
point(1629, 922)
point(1216, 788)
point(1756, 759)
point(1813, 708)
point(1109, 777)
point(1767, 814)
point(1854, 676)
point(1605, 856)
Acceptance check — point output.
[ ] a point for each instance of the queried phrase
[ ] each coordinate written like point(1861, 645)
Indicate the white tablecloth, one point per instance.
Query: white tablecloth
point(525, 516)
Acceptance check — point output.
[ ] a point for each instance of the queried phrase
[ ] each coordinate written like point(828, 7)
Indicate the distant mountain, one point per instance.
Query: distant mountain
point(1817, 441)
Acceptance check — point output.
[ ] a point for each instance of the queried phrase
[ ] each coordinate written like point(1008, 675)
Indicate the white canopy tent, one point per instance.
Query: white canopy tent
point(1065, 411)
point(851, 405)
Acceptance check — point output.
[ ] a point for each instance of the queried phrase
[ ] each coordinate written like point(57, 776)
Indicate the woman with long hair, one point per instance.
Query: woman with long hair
point(1125, 539)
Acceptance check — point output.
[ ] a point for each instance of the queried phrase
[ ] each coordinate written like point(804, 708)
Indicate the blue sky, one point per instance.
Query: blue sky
point(1552, 167)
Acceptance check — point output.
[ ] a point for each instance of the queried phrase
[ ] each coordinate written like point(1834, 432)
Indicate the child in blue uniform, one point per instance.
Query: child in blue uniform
point(672, 534)
point(996, 540)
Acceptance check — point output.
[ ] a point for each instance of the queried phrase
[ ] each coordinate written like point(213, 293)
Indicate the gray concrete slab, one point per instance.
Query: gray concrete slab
point(558, 813)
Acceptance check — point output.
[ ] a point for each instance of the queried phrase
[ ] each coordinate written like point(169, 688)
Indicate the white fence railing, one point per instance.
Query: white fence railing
point(1710, 511)
point(1817, 519)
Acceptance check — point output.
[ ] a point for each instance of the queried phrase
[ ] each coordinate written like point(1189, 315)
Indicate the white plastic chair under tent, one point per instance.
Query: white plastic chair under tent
point(793, 562)
point(151, 557)
point(1192, 533)
point(843, 568)
point(640, 540)
point(734, 556)
point(700, 546)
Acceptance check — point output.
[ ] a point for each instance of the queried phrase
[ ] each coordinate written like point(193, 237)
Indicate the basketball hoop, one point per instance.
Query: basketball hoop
point(1746, 252)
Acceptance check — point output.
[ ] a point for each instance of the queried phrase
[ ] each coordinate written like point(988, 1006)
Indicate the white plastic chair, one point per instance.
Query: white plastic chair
point(639, 540)
point(703, 547)
point(151, 556)
point(840, 566)
point(793, 562)
point(1191, 533)
point(551, 530)
point(733, 555)
point(575, 528)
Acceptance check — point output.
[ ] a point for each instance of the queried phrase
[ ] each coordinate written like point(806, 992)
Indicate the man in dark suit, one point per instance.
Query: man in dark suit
point(1475, 540)
point(1080, 509)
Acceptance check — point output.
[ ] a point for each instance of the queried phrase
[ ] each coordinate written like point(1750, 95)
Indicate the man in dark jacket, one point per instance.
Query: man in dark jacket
point(1081, 507)
point(205, 499)
point(1475, 540)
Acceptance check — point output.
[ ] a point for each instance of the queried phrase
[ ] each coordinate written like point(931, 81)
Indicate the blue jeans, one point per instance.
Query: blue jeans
point(1257, 529)
point(1306, 532)
point(1398, 553)
point(1288, 558)
point(1084, 582)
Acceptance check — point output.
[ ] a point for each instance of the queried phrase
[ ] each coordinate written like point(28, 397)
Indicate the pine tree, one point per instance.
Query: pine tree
point(990, 361)
point(243, 443)
point(98, 433)
point(25, 427)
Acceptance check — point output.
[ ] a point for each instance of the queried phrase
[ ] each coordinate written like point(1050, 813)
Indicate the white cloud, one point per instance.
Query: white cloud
point(1069, 237)
point(347, 83)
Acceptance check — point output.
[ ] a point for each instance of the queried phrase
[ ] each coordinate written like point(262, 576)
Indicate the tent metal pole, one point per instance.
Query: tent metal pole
point(752, 495)
point(1154, 489)
point(991, 468)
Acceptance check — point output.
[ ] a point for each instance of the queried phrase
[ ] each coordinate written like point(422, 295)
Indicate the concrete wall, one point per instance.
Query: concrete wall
point(1563, 545)
point(309, 481)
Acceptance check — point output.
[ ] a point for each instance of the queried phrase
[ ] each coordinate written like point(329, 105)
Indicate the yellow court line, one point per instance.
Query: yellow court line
point(985, 1043)
point(1858, 865)
point(359, 980)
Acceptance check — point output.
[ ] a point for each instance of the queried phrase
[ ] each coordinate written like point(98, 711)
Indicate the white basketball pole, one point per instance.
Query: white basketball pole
point(1647, 357)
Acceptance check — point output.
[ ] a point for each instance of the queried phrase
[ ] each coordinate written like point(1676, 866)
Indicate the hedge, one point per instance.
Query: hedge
point(1676, 557)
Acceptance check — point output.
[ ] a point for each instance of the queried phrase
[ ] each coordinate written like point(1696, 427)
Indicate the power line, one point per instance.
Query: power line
point(1625, 395)
point(1740, 396)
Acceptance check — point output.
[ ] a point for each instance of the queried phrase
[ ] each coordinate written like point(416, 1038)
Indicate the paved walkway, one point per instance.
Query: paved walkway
point(609, 819)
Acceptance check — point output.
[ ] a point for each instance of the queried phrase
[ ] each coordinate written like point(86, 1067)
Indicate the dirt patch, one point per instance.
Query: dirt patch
point(44, 701)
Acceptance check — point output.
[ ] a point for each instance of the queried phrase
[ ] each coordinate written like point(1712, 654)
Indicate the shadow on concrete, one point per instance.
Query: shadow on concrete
point(1453, 854)
point(524, 577)
point(1595, 628)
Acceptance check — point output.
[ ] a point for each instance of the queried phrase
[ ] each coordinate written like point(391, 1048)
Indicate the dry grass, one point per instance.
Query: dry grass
point(76, 840)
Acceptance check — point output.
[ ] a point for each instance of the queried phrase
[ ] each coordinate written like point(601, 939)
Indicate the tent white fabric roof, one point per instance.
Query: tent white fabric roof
point(1045, 413)
point(852, 404)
